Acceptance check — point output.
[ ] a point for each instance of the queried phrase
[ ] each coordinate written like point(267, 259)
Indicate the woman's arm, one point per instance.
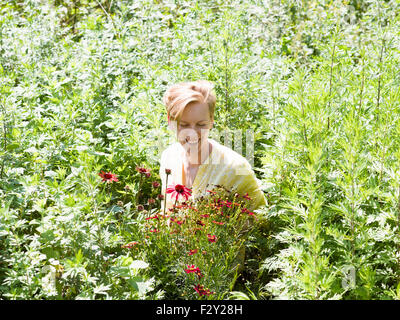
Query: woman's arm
point(245, 181)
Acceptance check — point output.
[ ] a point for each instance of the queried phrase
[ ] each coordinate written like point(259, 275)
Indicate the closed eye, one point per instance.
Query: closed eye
point(185, 125)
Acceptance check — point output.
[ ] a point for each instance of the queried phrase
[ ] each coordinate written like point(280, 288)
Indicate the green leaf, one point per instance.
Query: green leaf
point(47, 236)
point(12, 146)
point(139, 264)
point(398, 291)
point(123, 272)
point(51, 253)
point(140, 285)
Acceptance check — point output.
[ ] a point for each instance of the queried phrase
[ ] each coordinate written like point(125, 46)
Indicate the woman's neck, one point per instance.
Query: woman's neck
point(193, 159)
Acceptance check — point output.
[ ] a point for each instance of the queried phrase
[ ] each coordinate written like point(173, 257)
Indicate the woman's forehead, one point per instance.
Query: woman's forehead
point(195, 112)
point(202, 119)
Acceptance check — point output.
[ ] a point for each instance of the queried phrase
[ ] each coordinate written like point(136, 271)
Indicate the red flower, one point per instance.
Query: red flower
point(167, 171)
point(245, 210)
point(211, 238)
point(192, 252)
point(191, 269)
point(151, 201)
point(246, 196)
point(200, 223)
point(184, 205)
point(153, 217)
point(202, 291)
point(228, 204)
point(160, 196)
point(216, 222)
point(130, 245)
point(179, 222)
point(155, 184)
point(144, 171)
point(108, 177)
point(195, 270)
point(199, 274)
point(179, 190)
point(140, 207)
point(154, 230)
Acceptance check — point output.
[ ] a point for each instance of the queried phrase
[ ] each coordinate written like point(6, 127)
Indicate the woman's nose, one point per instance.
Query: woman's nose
point(189, 133)
point(193, 132)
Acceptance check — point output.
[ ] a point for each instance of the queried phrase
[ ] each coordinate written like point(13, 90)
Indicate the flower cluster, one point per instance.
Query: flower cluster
point(206, 224)
point(202, 291)
point(204, 228)
point(144, 171)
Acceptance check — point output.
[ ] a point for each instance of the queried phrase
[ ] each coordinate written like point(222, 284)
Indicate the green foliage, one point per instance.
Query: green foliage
point(337, 218)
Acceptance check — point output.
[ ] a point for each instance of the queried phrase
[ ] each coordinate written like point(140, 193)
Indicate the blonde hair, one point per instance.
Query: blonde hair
point(178, 96)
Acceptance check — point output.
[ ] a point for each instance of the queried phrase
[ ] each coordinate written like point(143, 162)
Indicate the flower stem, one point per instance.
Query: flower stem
point(140, 185)
point(165, 193)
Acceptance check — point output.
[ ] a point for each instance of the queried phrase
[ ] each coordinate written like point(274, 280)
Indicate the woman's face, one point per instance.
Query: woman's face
point(194, 125)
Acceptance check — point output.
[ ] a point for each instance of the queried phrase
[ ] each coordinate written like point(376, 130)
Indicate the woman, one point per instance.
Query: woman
point(195, 160)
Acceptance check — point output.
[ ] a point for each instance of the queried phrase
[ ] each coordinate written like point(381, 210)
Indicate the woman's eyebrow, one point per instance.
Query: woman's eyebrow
point(197, 121)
